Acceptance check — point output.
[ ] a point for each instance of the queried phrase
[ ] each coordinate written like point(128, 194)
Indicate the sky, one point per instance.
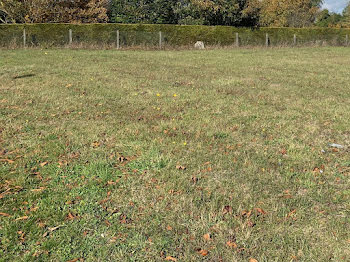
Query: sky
point(335, 5)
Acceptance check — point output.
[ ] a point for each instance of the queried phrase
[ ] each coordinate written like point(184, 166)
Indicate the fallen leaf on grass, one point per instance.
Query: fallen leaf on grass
point(103, 201)
point(250, 223)
point(41, 224)
point(62, 163)
point(71, 216)
point(292, 214)
point(113, 239)
point(9, 161)
point(43, 164)
point(169, 228)
point(195, 180)
point(253, 260)
point(95, 144)
point(203, 252)
point(283, 151)
point(124, 219)
point(261, 211)
point(22, 218)
point(231, 244)
point(33, 209)
point(4, 214)
point(207, 237)
point(169, 258)
point(178, 167)
point(38, 189)
point(122, 159)
point(51, 229)
point(54, 228)
point(227, 210)
point(21, 236)
point(246, 214)
point(75, 260)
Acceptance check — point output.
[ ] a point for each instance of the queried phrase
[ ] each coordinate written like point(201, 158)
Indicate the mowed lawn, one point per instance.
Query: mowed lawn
point(217, 155)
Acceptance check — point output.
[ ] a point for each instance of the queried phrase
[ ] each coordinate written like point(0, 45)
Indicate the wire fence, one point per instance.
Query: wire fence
point(120, 39)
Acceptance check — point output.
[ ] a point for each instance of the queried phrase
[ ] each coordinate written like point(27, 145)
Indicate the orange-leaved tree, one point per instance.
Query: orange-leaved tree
point(285, 13)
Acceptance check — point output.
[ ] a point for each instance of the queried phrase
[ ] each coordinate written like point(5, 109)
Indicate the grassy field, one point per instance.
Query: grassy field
point(220, 155)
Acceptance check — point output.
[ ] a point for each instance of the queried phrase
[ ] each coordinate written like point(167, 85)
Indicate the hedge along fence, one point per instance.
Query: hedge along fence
point(51, 35)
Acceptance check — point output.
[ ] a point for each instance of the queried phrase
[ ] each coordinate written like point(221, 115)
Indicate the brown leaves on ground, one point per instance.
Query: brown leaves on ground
point(194, 179)
point(95, 144)
point(207, 237)
point(43, 164)
point(231, 244)
point(10, 189)
point(38, 189)
point(203, 252)
point(22, 218)
point(246, 214)
point(9, 161)
point(123, 219)
point(292, 215)
point(227, 210)
point(71, 216)
point(21, 236)
point(122, 159)
point(62, 163)
point(252, 260)
point(76, 259)
point(284, 151)
point(169, 258)
point(51, 229)
point(260, 211)
point(179, 167)
point(319, 170)
point(251, 215)
point(4, 214)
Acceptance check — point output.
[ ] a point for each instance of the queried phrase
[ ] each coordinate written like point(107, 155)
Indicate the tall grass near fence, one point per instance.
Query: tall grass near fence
point(126, 35)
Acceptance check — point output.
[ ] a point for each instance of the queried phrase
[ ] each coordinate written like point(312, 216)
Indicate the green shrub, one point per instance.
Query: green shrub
point(47, 35)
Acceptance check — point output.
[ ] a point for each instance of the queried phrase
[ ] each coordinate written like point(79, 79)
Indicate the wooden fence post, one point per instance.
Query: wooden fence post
point(70, 36)
point(347, 40)
point(118, 41)
point(24, 38)
point(237, 40)
point(267, 40)
point(295, 39)
point(160, 39)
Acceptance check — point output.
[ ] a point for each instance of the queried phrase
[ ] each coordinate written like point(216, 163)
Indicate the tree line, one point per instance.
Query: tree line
point(250, 13)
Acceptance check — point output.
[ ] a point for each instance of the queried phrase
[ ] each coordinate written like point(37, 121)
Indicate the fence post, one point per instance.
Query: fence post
point(267, 40)
point(347, 40)
point(70, 36)
point(160, 39)
point(237, 40)
point(295, 39)
point(24, 38)
point(118, 43)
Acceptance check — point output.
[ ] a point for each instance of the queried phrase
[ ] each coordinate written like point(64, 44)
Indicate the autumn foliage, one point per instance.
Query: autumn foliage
point(247, 13)
point(283, 13)
point(61, 11)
